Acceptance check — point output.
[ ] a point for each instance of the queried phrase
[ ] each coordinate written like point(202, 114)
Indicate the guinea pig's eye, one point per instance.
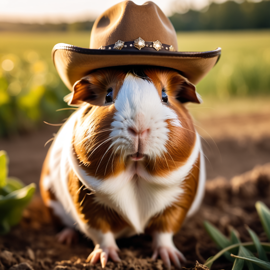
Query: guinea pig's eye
point(164, 96)
point(109, 96)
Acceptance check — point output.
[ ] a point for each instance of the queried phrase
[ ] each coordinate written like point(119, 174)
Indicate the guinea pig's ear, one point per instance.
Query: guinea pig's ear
point(83, 91)
point(187, 92)
point(183, 90)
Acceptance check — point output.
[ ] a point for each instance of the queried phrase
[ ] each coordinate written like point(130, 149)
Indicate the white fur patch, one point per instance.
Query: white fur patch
point(59, 211)
point(46, 183)
point(138, 105)
point(200, 191)
point(98, 237)
point(163, 239)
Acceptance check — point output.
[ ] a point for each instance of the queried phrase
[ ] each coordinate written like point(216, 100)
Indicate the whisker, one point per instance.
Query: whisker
point(123, 154)
point(166, 162)
point(81, 203)
point(114, 157)
point(103, 156)
point(80, 189)
point(189, 130)
point(99, 146)
point(92, 134)
point(54, 125)
point(66, 109)
point(108, 163)
point(104, 130)
point(48, 141)
point(212, 139)
point(172, 160)
point(82, 141)
point(208, 160)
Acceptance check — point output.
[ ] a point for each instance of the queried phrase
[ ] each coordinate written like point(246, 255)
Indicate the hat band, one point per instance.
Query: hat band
point(139, 44)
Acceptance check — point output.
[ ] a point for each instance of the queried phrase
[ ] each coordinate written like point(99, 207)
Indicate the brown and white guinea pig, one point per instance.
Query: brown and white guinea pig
point(128, 161)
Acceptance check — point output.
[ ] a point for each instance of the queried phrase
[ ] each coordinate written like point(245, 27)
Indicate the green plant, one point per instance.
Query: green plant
point(245, 251)
point(14, 196)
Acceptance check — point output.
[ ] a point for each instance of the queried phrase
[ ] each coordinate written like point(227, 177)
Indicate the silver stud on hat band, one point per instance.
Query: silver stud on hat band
point(140, 44)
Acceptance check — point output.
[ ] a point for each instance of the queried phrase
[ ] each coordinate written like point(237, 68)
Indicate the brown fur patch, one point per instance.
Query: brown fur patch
point(93, 87)
point(181, 139)
point(171, 219)
point(94, 214)
point(92, 143)
point(48, 195)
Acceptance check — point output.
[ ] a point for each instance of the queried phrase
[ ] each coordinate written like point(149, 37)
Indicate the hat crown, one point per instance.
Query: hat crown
point(127, 21)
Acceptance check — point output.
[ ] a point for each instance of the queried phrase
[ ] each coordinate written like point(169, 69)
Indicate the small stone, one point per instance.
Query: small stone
point(79, 265)
point(38, 253)
point(42, 264)
point(64, 263)
point(158, 266)
point(31, 254)
point(86, 266)
point(20, 259)
point(7, 258)
point(61, 267)
point(21, 266)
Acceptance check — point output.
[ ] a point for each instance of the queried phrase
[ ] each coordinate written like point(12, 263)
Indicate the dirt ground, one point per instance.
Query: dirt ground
point(238, 172)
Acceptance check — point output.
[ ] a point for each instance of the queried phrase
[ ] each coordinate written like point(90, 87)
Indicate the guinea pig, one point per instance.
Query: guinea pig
point(127, 161)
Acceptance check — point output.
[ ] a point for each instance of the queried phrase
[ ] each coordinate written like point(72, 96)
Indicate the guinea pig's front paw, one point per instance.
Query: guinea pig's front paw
point(163, 246)
point(168, 254)
point(67, 236)
point(102, 254)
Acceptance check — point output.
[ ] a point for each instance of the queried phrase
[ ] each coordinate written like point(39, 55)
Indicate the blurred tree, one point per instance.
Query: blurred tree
point(229, 15)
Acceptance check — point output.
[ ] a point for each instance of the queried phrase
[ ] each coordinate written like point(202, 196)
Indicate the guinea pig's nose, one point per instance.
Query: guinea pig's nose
point(142, 134)
point(132, 131)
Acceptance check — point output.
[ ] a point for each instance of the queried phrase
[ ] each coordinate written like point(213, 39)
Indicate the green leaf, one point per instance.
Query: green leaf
point(251, 259)
point(233, 236)
point(234, 239)
point(15, 183)
point(3, 168)
point(259, 248)
point(264, 215)
point(13, 204)
point(238, 264)
point(244, 253)
point(12, 184)
point(250, 245)
point(220, 239)
point(209, 262)
point(4, 227)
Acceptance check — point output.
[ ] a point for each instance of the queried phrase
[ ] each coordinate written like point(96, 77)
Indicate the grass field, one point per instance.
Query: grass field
point(30, 89)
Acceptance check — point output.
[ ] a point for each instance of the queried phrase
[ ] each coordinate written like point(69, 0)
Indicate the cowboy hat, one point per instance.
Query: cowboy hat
point(129, 34)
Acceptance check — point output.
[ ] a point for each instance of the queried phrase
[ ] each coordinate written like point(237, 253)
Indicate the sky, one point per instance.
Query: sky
point(77, 10)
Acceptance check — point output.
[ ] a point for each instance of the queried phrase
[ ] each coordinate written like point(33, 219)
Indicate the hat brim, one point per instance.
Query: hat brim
point(73, 63)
